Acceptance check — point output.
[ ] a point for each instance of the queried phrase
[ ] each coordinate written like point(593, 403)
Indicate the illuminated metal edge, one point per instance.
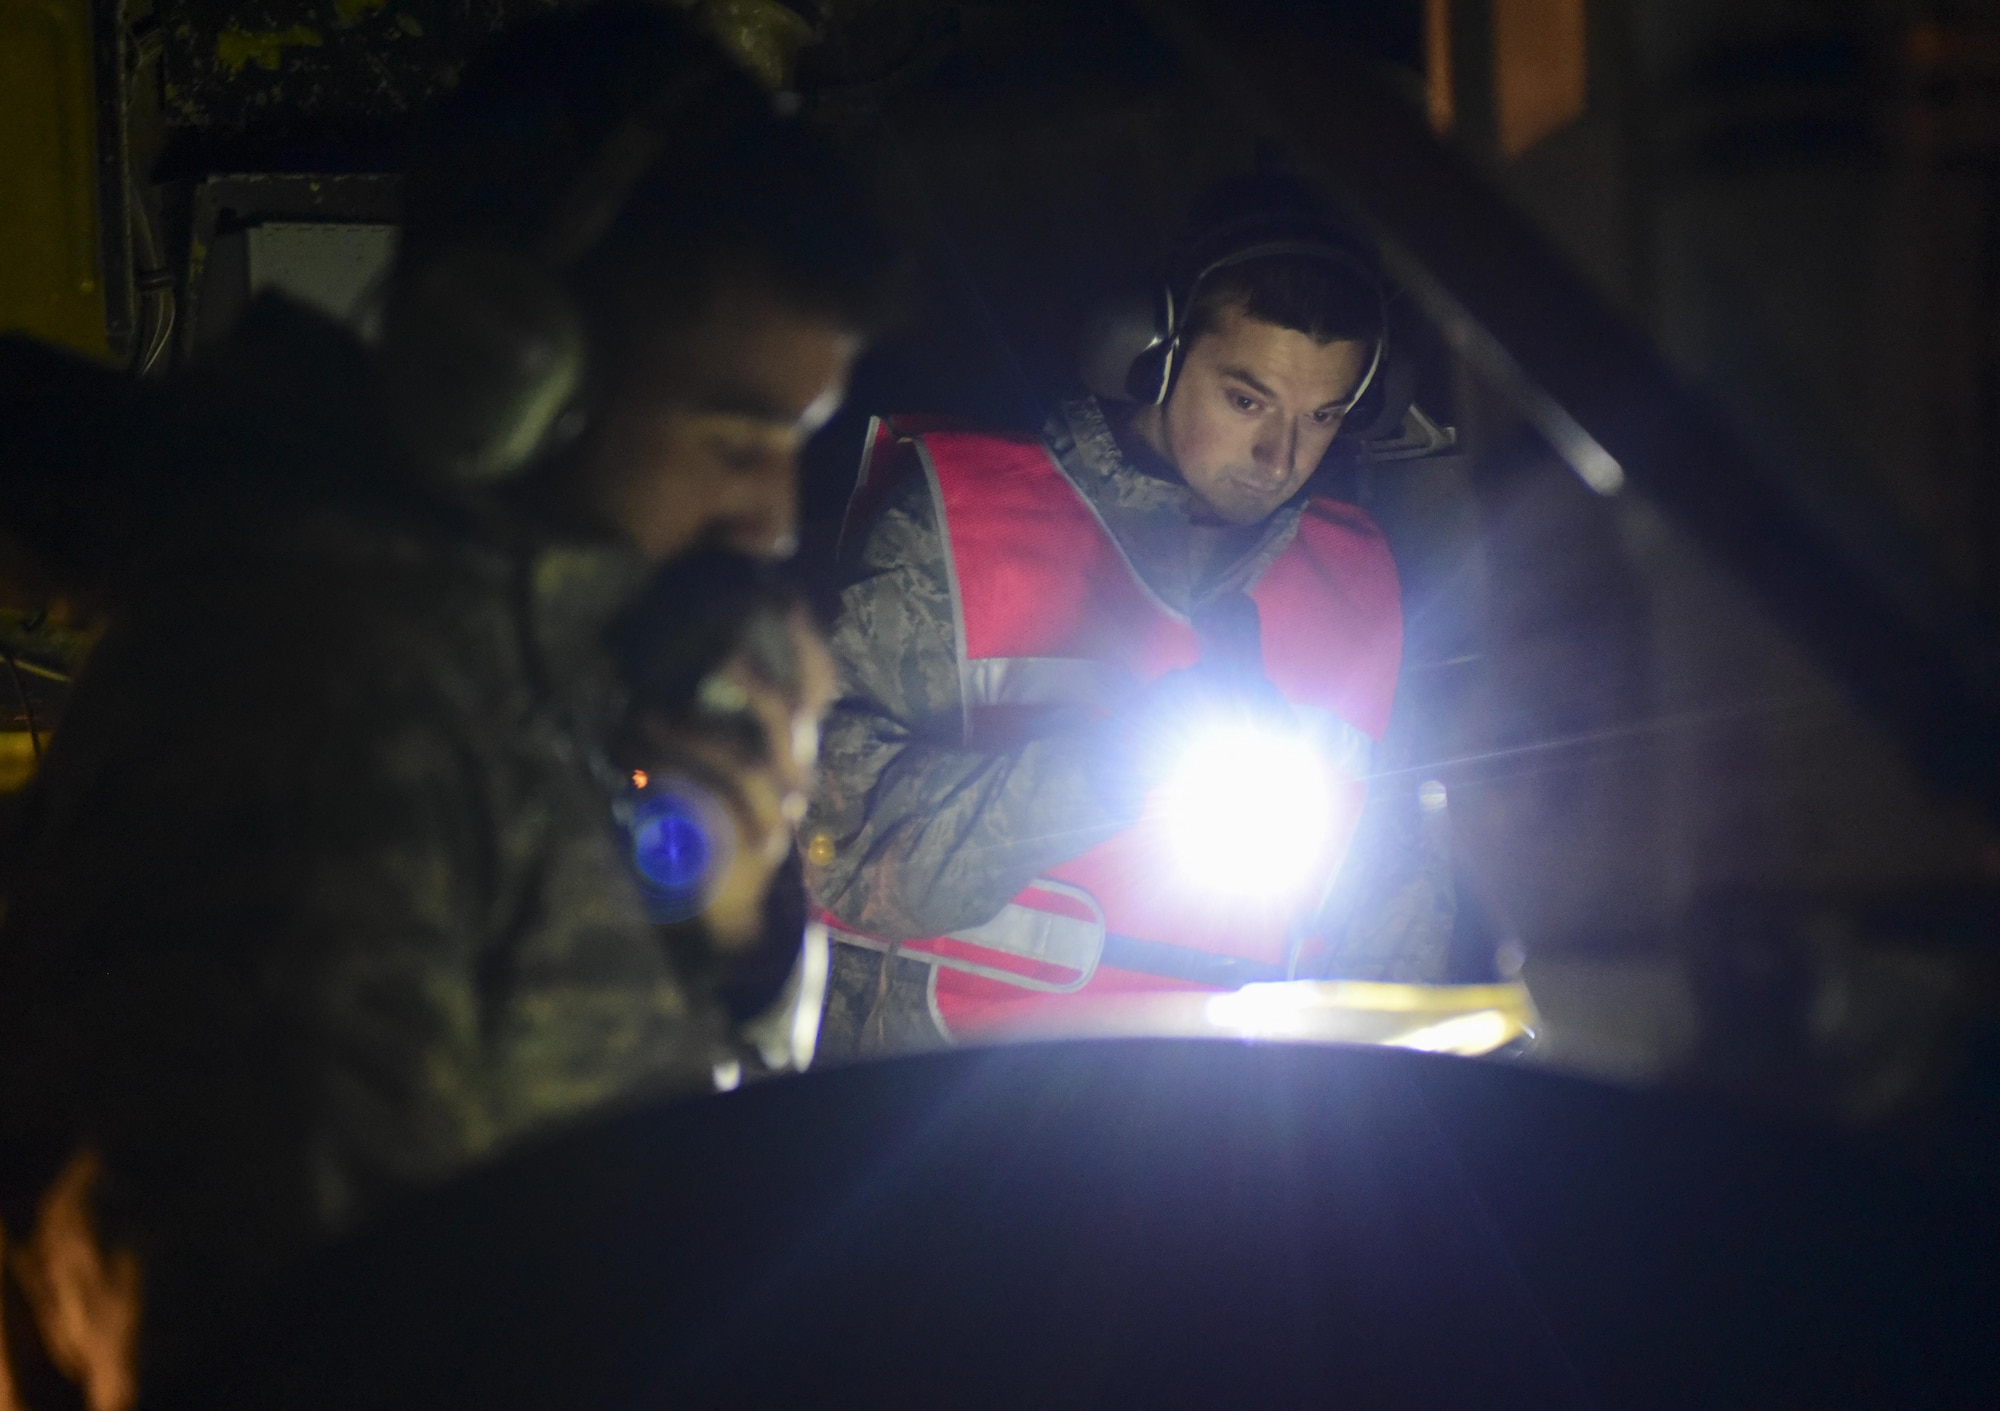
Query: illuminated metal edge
point(1418, 437)
point(1468, 1020)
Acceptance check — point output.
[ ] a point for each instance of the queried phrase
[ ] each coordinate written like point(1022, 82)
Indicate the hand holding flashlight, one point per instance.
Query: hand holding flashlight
point(1138, 748)
point(729, 678)
point(1245, 798)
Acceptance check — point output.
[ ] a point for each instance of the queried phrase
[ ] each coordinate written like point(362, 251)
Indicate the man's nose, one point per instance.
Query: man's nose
point(1278, 449)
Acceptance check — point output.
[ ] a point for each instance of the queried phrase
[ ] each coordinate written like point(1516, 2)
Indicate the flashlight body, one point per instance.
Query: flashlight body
point(679, 842)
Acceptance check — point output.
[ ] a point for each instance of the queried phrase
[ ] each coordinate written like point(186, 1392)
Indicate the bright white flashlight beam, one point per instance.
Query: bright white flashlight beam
point(1250, 810)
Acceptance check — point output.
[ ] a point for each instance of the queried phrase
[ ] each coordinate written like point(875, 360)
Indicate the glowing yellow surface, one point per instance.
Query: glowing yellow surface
point(17, 760)
point(50, 279)
point(1468, 1020)
point(1461, 1019)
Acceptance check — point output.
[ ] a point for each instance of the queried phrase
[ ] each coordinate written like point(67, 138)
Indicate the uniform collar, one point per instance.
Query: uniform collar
point(1151, 515)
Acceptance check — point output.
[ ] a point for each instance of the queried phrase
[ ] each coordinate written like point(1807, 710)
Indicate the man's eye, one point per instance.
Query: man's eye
point(1242, 403)
point(1328, 418)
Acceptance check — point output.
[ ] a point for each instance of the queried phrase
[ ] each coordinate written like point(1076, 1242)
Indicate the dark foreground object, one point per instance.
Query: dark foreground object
point(1147, 1223)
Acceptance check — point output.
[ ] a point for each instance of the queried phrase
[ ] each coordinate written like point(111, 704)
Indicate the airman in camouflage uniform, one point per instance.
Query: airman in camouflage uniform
point(322, 902)
point(320, 837)
point(913, 835)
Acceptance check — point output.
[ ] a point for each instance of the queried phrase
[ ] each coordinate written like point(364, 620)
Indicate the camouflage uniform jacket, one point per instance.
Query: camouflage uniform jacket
point(322, 871)
point(914, 835)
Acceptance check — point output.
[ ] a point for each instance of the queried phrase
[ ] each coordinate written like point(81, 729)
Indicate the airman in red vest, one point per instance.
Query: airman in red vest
point(1114, 692)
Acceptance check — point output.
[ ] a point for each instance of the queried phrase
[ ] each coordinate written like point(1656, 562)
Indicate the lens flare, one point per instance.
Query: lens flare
point(1249, 809)
point(679, 846)
point(670, 844)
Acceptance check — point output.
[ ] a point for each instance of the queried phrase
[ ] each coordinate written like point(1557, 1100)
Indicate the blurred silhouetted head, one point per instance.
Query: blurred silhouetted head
point(724, 263)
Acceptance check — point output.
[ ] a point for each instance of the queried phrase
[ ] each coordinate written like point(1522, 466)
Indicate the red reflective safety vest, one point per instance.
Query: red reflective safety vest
point(1051, 616)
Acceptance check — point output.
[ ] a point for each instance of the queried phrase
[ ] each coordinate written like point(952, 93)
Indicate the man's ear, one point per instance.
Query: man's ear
point(84, 1299)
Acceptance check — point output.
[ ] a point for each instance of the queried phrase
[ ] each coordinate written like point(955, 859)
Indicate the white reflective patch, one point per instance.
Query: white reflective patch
point(1046, 936)
point(1026, 932)
point(1049, 681)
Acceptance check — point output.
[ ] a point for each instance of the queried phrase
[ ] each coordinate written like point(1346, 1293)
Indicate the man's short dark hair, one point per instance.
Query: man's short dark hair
point(737, 193)
point(1318, 298)
point(1324, 299)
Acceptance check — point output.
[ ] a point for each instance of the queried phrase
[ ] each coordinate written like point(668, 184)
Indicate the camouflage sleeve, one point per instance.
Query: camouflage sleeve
point(211, 821)
point(912, 833)
point(1393, 908)
point(336, 868)
point(457, 946)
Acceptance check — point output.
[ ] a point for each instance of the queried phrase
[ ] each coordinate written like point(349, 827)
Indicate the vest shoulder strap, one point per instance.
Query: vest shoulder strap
point(888, 457)
point(1332, 611)
point(1038, 576)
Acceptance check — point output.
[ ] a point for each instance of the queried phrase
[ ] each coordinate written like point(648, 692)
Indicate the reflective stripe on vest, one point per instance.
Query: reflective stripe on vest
point(1062, 948)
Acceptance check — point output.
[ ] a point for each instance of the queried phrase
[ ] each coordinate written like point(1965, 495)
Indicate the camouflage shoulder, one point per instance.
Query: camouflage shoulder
point(901, 529)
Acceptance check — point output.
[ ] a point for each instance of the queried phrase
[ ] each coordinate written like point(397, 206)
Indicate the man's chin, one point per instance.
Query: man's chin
point(1244, 502)
point(1230, 501)
point(1242, 511)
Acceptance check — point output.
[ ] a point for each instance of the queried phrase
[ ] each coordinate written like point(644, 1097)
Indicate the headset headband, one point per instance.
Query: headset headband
point(489, 349)
point(594, 200)
point(1329, 251)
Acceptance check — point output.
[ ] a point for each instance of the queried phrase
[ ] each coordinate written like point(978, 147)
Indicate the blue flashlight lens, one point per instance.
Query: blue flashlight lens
point(670, 845)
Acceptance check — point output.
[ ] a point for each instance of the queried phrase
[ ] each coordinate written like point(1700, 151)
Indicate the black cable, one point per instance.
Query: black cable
point(878, 1012)
point(153, 277)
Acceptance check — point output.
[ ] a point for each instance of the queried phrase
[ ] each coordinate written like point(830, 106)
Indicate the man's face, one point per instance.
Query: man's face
point(1254, 409)
point(700, 443)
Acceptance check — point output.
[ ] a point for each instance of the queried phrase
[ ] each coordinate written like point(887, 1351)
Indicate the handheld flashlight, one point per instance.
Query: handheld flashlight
point(679, 842)
point(1249, 805)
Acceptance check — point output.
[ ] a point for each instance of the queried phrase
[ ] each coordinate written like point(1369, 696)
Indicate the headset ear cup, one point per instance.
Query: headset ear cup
point(482, 354)
point(1118, 331)
point(1380, 411)
point(1151, 374)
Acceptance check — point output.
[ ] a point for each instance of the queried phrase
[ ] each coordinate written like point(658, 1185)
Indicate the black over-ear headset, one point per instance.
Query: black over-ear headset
point(1153, 371)
point(484, 351)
